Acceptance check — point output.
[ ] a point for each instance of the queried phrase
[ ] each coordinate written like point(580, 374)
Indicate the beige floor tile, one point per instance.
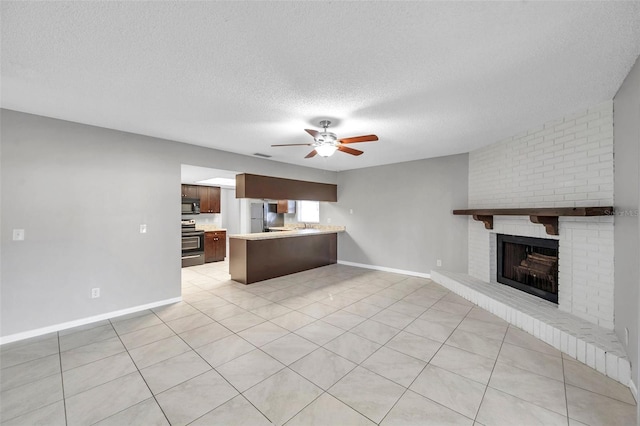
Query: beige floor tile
point(323, 367)
point(451, 390)
point(289, 348)
point(463, 363)
point(318, 310)
point(138, 338)
point(352, 347)
point(86, 337)
point(107, 399)
point(173, 371)
point(501, 409)
point(87, 376)
point(29, 371)
point(146, 413)
point(296, 302)
point(203, 335)
point(293, 320)
point(451, 307)
point(367, 393)
point(174, 311)
point(249, 369)
point(380, 300)
point(375, 331)
point(253, 302)
point(343, 319)
point(319, 332)
point(595, 409)
point(209, 303)
point(422, 300)
point(192, 399)
point(190, 322)
point(393, 365)
point(224, 350)
point(264, 333)
point(415, 410)
point(454, 298)
point(235, 412)
point(242, 322)
point(161, 350)
point(441, 317)
point(327, 410)
point(393, 319)
point(414, 345)
point(23, 399)
point(473, 343)
point(363, 309)
point(482, 315)
point(535, 362)
point(483, 328)
point(49, 415)
point(525, 340)
point(128, 325)
point(533, 388)
point(91, 353)
point(223, 312)
point(407, 308)
point(582, 376)
point(18, 353)
point(271, 310)
point(430, 330)
point(282, 395)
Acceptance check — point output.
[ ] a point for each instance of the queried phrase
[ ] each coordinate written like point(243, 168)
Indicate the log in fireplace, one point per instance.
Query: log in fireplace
point(529, 264)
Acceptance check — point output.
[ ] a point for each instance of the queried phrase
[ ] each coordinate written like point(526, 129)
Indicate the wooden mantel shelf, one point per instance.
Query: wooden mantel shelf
point(544, 216)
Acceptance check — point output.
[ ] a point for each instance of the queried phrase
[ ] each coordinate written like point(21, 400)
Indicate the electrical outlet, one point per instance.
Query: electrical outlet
point(143, 229)
point(18, 235)
point(438, 262)
point(350, 211)
point(328, 220)
point(95, 293)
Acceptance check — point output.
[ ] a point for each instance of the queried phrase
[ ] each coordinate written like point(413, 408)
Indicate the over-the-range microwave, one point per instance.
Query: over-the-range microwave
point(190, 206)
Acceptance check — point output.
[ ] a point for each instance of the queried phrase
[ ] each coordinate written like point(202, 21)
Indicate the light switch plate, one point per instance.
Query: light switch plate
point(18, 235)
point(143, 229)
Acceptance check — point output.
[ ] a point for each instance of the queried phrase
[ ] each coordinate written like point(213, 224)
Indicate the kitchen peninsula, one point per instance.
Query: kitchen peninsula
point(261, 256)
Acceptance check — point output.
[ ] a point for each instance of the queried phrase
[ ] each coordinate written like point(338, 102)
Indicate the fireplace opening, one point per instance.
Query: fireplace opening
point(529, 264)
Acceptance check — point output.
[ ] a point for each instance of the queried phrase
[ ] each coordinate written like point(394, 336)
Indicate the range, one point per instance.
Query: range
point(192, 244)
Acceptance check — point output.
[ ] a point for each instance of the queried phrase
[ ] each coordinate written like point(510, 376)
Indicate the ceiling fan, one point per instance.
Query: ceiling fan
point(326, 143)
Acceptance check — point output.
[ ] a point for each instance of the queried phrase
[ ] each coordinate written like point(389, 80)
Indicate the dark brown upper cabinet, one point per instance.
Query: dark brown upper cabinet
point(209, 197)
point(267, 187)
point(190, 191)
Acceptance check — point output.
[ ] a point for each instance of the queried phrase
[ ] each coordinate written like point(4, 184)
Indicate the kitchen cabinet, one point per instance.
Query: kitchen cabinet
point(215, 246)
point(190, 191)
point(209, 199)
point(273, 188)
point(286, 206)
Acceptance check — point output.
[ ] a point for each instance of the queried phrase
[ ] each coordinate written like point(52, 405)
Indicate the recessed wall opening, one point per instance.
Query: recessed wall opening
point(528, 264)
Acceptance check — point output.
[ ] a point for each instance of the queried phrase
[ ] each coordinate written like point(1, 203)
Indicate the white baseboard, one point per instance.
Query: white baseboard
point(70, 324)
point(634, 390)
point(385, 269)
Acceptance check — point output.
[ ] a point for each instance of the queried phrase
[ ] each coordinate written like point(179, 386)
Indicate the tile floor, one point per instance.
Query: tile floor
point(337, 345)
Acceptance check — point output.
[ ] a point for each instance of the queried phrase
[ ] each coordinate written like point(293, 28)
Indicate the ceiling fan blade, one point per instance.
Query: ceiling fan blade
point(349, 150)
point(355, 139)
point(294, 144)
point(311, 154)
point(313, 133)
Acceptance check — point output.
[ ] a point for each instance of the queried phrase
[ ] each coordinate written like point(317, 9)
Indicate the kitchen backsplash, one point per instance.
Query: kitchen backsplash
point(214, 219)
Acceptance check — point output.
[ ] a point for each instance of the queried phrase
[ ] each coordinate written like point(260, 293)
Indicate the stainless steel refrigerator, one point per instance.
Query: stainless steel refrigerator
point(257, 217)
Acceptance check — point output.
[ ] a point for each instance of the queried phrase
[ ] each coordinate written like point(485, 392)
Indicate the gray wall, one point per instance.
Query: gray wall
point(626, 127)
point(81, 192)
point(402, 214)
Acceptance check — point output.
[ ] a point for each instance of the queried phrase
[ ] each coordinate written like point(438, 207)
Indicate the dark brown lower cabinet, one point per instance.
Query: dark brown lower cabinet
point(215, 246)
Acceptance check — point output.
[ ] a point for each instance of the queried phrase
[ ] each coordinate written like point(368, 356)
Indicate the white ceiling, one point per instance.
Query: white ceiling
point(429, 78)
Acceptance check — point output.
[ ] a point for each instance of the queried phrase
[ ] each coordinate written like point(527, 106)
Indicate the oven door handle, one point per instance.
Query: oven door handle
point(192, 257)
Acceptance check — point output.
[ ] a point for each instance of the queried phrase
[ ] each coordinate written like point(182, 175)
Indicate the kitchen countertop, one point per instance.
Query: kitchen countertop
point(290, 233)
point(209, 228)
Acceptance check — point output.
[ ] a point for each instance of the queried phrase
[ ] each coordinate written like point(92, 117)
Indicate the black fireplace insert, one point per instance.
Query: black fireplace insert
point(529, 264)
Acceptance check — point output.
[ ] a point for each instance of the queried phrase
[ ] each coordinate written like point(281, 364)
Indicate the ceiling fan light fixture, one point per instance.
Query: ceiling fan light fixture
point(326, 150)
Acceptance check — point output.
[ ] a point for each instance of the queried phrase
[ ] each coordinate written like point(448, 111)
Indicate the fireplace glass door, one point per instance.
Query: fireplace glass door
point(529, 264)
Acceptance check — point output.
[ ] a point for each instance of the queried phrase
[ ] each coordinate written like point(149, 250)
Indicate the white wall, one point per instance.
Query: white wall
point(567, 162)
point(627, 191)
point(402, 215)
point(81, 192)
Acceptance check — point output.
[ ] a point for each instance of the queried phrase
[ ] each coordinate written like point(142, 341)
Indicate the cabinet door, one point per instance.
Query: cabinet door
point(221, 250)
point(214, 199)
point(209, 247)
point(190, 191)
point(283, 206)
point(205, 203)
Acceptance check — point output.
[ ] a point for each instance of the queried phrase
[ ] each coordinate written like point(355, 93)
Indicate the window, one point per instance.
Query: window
point(309, 211)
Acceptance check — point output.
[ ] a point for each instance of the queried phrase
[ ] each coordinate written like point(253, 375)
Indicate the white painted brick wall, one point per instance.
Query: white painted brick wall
point(564, 163)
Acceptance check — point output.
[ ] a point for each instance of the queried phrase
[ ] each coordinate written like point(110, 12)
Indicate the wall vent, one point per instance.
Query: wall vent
point(257, 154)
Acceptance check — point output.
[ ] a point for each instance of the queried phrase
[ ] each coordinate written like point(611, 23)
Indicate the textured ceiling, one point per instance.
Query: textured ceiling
point(429, 78)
